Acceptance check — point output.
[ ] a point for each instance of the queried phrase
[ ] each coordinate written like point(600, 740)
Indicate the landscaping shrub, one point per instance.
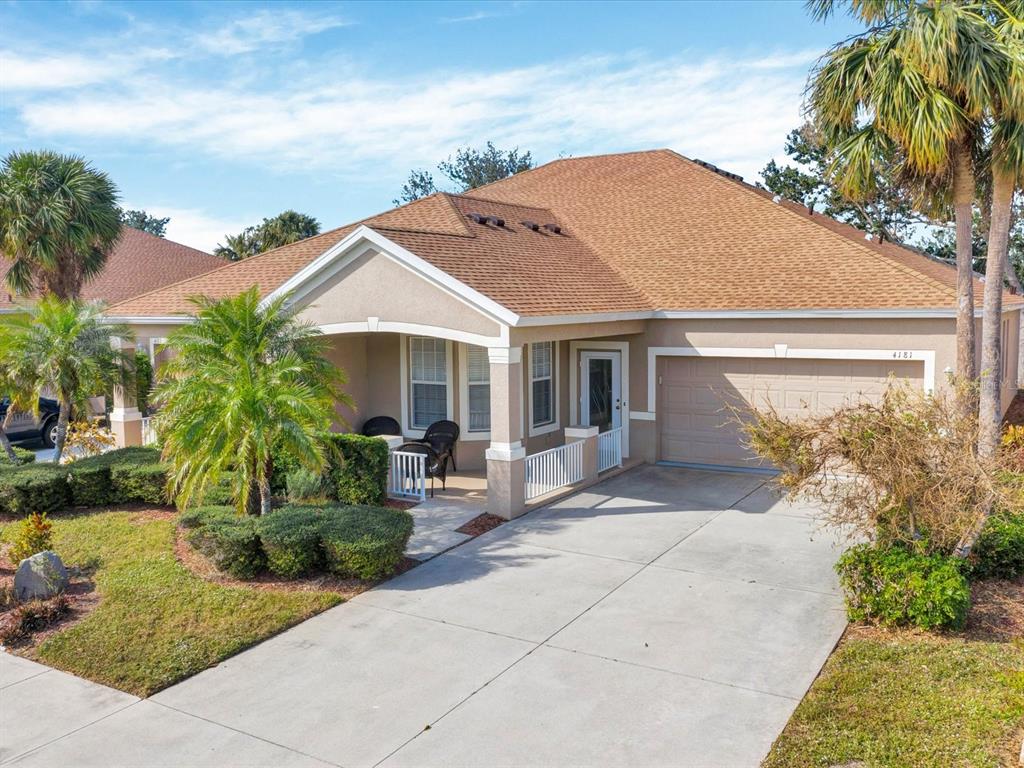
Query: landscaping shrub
point(23, 456)
point(140, 482)
point(30, 617)
point(200, 516)
point(893, 586)
point(119, 477)
point(304, 485)
point(999, 551)
point(291, 540)
point(364, 542)
point(34, 488)
point(220, 493)
point(34, 535)
point(90, 484)
point(359, 471)
point(232, 544)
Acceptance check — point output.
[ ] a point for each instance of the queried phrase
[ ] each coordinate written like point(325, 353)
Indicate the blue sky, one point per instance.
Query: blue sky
point(218, 114)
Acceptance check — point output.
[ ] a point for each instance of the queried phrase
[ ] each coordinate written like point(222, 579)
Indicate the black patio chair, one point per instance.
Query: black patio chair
point(381, 425)
point(435, 465)
point(441, 436)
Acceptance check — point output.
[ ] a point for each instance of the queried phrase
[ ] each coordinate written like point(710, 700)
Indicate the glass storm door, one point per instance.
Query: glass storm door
point(601, 398)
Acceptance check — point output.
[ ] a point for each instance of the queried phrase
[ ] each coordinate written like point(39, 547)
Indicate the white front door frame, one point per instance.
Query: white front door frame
point(575, 361)
point(615, 357)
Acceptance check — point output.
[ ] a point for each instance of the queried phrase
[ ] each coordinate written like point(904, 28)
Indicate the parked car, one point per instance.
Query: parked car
point(27, 427)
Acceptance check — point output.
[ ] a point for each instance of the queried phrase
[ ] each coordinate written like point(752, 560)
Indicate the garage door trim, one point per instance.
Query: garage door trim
point(783, 351)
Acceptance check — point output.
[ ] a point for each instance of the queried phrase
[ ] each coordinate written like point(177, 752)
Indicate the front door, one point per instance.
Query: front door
point(601, 390)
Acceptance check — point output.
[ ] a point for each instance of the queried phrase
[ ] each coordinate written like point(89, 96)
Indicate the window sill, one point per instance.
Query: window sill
point(544, 429)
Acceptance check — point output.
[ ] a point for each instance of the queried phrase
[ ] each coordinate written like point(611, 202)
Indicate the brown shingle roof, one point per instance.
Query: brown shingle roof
point(139, 263)
point(641, 231)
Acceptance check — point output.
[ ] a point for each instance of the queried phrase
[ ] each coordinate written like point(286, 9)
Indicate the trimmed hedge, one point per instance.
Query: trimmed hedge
point(359, 470)
point(34, 488)
point(999, 551)
point(352, 541)
point(232, 543)
point(364, 542)
point(24, 456)
point(895, 587)
point(140, 482)
point(291, 540)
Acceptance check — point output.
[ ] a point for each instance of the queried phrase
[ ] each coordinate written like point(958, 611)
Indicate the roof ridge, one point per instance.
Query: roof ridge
point(868, 246)
point(447, 197)
point(168, 240)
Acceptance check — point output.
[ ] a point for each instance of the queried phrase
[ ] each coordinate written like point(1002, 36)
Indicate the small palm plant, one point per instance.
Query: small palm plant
point(64, 349)
point(245, 377)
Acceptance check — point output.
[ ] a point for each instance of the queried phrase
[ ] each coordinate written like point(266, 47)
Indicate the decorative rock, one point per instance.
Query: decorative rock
point(40, 577)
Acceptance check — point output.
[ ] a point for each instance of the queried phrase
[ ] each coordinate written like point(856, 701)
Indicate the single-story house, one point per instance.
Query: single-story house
point(616, 300)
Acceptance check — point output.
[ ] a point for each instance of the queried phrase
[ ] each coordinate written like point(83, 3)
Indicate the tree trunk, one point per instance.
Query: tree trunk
point(265, 496)
point(963, 209)
point(990, 411)
point(4, 440)
point(63, 416)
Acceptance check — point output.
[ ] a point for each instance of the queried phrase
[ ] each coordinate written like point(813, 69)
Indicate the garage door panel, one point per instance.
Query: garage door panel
point(694, 421)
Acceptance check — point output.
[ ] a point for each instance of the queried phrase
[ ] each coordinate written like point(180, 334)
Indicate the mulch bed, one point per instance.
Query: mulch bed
point(480, 524)
point(1015, 413)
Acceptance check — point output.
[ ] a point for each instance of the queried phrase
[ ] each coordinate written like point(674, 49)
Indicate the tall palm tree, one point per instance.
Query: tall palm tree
point(66, 349)
point(245, 377)
point(917, 83)
point(59, 220)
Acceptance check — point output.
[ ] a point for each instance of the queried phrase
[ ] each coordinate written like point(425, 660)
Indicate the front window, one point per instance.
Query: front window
point(478, 385)
point(429, 376)
point(542, 367)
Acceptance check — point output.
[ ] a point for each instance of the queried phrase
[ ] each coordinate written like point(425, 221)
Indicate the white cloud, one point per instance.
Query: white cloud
point(39, 73)
point(475, 16)
point(269, 27)
point(192, 226)
point(732, 112)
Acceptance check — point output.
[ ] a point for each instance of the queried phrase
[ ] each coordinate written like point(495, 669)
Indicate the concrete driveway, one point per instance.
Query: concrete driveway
point(663, 617)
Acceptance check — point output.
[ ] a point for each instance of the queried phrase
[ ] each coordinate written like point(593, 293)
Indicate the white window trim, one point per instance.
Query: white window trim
point(407, 429)
point(556, 424)
point(464, 398)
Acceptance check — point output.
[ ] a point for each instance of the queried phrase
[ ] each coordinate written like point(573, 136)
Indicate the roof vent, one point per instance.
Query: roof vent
point(553, 228)
point(531, 225)
point(496, 221)
point(479, 218)
point(715, 169)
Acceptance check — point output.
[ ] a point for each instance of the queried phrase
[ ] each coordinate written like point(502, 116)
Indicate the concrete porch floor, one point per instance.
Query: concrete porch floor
point(436, 519)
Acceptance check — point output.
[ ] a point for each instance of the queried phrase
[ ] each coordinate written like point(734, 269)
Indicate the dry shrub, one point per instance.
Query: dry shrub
point(19, 625)
point(87, 439)
point(902, 469)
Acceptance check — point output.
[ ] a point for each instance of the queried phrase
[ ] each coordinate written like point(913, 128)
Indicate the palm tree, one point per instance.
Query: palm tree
point(59, 220)
point(13, 387)
point(66, 349)
point(916, 84)
point(245, 377)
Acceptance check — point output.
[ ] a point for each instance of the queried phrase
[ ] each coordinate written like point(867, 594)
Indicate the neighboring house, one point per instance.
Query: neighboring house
point(638, 290)
point(140, 262)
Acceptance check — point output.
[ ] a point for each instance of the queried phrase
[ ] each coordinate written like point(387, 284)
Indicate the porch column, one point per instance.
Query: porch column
point(506, 456)
point(588, 436)
point(125, 418)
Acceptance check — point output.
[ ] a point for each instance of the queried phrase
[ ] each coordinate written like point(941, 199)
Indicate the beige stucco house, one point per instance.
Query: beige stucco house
point(614, 301)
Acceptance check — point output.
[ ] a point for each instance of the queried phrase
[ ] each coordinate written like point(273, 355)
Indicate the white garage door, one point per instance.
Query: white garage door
point(695, 428)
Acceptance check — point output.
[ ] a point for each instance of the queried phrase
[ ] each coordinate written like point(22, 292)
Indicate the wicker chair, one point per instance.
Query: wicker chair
point(381, 425)
point(436, 465)
point(442, 436)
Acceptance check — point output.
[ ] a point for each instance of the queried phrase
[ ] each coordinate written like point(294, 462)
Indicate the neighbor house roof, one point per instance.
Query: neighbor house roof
point(139, 263)
point(642, 231)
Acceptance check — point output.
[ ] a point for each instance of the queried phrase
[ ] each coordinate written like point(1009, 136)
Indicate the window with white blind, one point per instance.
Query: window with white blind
point(542, 384)
point(478, 389)
point(428, 375)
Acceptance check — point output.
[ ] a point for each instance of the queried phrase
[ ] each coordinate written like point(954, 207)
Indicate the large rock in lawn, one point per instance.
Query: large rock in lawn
point(40, 577)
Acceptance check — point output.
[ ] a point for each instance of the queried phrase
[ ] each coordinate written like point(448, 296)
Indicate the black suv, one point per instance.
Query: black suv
point(25, 427)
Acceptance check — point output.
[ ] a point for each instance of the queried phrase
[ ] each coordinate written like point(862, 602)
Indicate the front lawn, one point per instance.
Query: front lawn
point(157, 622)
point(910, 699)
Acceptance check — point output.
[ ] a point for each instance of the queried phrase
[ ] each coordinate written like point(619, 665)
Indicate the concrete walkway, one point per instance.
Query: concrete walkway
point(663, 617)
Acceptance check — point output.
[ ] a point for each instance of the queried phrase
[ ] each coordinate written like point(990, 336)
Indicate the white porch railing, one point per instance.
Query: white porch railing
point(553, 469)
point(609, 449)
point(148, 432)
point(407, 477)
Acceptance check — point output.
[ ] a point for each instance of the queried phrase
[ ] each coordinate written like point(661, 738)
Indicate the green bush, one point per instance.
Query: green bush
point(34, 488)
point(200, 516)
point(35, 534)
point(143, 381)
point(291, 540)
point(364, 542)
point(999, 551)
point(89, 483)
point(140, 482)
point(304, 485)
point(220, 494)
point(895, 587)
point(23, 456)
point(118, 477)
point(359, 470)
point(232, 544)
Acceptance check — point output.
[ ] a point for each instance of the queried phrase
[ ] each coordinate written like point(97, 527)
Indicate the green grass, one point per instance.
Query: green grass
point(909, 701)
point(156, 622)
